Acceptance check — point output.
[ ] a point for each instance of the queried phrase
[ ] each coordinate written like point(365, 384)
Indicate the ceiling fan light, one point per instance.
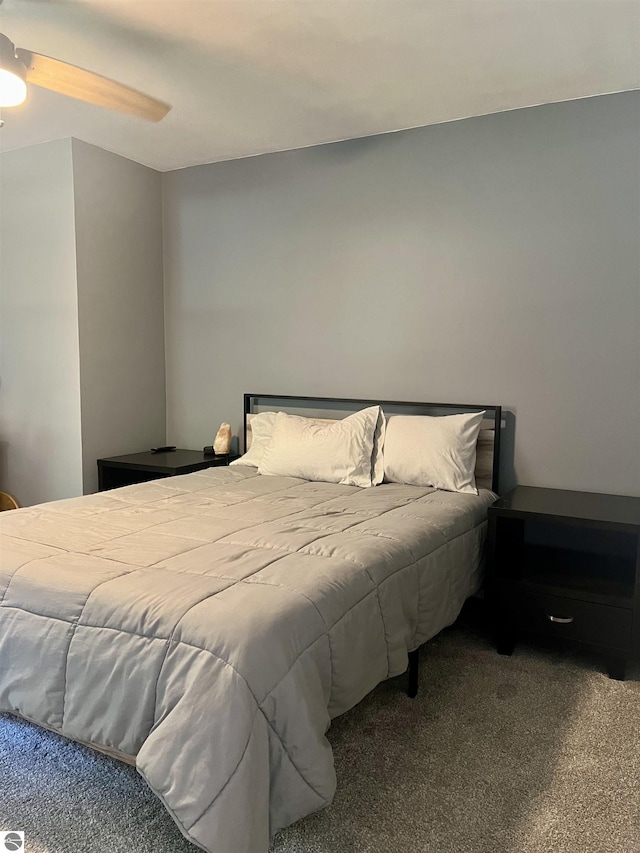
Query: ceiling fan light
point(13, 75)
point(13, 88)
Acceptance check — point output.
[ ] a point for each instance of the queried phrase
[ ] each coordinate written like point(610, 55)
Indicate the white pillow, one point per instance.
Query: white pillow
point(433, 451)
point(261, 431)
point(338, 452)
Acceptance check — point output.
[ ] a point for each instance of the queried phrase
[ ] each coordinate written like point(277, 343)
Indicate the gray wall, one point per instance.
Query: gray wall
point(118, 220)
point(82, 370)
point(493, 260)
point(40, 455)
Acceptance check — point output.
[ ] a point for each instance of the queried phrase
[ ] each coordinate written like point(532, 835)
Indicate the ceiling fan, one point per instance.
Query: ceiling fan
point(19, 67)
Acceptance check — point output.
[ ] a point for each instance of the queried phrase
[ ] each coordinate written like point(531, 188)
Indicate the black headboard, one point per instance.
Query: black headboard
point(329, 407)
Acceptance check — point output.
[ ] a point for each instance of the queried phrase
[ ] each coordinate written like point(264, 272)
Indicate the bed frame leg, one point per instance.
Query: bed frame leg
point(414, 661)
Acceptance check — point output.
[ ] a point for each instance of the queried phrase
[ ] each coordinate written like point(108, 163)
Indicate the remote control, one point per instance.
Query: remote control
point(163, 449)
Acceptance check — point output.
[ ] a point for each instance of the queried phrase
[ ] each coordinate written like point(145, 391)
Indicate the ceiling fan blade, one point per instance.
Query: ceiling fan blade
point(87, 86)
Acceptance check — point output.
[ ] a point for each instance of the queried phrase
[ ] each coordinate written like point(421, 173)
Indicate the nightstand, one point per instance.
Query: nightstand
point(564, 566)
point(133, 468)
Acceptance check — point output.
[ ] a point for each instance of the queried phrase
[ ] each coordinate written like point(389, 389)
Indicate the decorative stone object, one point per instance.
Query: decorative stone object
point(222, 441)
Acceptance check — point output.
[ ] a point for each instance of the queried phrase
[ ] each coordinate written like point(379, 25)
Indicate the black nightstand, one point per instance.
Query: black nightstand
point(141, 467)
point(564, 565)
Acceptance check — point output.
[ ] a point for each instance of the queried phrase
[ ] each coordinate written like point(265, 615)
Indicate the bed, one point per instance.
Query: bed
point(208, 627)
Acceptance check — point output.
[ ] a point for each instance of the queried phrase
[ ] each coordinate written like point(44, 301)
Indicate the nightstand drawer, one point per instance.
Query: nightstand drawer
point(569, 619)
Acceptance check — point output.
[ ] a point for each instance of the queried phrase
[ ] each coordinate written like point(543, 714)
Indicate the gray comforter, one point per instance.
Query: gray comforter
point(211, 625)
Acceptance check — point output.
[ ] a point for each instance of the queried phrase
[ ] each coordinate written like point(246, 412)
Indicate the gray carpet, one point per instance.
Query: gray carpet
point(538, 752)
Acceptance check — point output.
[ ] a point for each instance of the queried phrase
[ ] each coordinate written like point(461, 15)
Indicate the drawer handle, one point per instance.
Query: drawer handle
point(563, 620)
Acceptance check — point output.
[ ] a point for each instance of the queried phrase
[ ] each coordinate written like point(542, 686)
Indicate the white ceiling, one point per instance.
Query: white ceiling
point(250, 76)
